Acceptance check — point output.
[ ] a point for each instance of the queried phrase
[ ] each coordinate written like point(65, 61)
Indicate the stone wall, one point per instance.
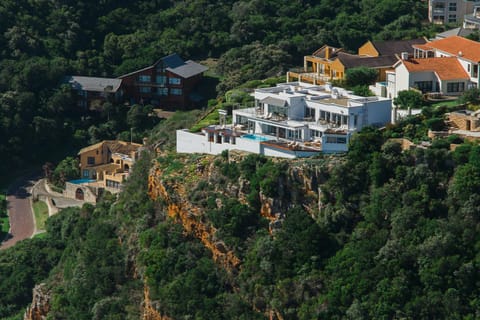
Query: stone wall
point(464, 121)
point(89, 194)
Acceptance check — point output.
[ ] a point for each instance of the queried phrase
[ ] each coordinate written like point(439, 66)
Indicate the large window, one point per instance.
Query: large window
point(86, 174)
point(278, 110)
point(91, 160)
point(162, 91)
point(176, 92)
point(452, 18)
point(452, 6)
point(145, 89)
point(424, 86)
point(341, 140)
point(455, 87)
point(174, 80)
point(161, 79)
point(144, 78)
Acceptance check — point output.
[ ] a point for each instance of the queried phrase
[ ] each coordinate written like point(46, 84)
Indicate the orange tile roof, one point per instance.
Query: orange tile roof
point(469, 49)
point(423, 47)
point(447, 68)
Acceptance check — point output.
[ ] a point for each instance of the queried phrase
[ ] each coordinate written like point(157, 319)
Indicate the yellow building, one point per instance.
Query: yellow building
point(108, 162)
point(330, 63)
point(317, 67)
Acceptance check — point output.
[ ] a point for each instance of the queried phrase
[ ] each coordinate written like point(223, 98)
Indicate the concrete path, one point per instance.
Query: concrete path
point(19, 206)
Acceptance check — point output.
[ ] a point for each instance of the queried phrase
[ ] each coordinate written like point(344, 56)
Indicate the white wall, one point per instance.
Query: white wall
point(402, 79)
point(334, 147)
point(188, 142)
point(379, 112)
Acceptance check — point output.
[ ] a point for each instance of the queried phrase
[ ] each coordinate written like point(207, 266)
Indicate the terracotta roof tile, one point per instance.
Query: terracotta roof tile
point(469, 49)
point(447, 68)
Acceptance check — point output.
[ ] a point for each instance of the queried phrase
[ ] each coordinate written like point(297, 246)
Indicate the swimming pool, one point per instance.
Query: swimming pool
point(80, 181)
point(255, 137)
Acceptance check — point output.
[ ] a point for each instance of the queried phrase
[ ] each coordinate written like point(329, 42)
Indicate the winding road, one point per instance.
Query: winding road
point(20, 212)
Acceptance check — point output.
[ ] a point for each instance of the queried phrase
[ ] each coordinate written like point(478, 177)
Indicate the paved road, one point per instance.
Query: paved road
point(20, 212)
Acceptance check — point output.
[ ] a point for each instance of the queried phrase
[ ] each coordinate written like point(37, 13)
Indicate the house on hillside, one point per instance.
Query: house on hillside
point(93, 92)
point(449, 11)
point(429, 75)
point(330, 63)
point(103, 166)
point(169, 83)
point(291, 120)
point(443, 67)
point(466, 51)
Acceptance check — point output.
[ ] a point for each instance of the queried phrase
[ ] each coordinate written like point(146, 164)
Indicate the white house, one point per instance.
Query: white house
point(466, 51)
point(447, 66)
point(292, 120)
point(428, 75)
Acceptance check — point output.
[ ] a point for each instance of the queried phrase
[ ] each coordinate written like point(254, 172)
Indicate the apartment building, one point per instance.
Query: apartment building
point(449, 11)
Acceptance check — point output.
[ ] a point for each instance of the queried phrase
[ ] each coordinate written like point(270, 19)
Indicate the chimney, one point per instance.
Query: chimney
point(404, 55)
point(327, 52)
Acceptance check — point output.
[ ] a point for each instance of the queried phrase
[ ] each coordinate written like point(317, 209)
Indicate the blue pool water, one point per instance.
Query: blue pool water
point(80, 181)
point(255, 137)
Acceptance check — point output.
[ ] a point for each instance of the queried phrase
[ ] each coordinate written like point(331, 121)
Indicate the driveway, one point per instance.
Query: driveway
point(20, 212)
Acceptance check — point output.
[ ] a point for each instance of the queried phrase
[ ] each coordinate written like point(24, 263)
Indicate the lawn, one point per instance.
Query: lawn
point(449, 103)
point(41, 214)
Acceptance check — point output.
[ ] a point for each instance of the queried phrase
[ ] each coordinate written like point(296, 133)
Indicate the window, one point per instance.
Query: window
point(174, 80)
point(112, 184)
point(161, 79)
point(91, 160)
point(315, 133)
point(455, 87)
point(341, 140)
point(452, 6)
point(424, 86)
point(452, 18)
point(144, 78)
point(145, 89)
point(162, 91)
point(310, 113)
point(161, 67)
point(86, 173)
point(176, 92)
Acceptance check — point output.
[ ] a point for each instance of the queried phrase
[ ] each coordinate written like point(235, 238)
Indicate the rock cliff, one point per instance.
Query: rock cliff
point(40, 306)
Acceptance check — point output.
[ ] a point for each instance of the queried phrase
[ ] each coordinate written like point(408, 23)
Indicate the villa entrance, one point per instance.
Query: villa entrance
point(79, 195)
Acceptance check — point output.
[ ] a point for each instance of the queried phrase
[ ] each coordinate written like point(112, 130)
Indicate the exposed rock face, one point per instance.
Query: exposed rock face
point(150, 312)
point(191, 217)
point(40, 306)
point(299, 184)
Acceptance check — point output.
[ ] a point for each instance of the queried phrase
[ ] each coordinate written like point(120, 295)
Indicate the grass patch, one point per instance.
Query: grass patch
point(211, 118)
point(450, 103)
point(40, 235)
point(41, 214)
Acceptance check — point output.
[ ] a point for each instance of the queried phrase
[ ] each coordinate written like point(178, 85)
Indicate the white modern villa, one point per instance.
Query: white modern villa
point(291, 120)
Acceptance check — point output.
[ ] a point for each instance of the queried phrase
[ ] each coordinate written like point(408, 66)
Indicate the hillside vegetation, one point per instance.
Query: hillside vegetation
point(379, 233)
point(42, 41)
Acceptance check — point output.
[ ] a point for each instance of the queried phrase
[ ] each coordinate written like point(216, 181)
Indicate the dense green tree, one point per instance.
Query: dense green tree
point(360, 76)
point(409, 99)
